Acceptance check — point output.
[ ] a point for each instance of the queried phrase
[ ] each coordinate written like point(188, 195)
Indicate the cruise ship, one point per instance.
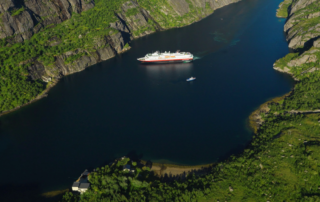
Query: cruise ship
point(166, 57)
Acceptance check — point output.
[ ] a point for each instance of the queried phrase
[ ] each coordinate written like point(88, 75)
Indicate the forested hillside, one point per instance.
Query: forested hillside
point(282, 162)
point(43, 40)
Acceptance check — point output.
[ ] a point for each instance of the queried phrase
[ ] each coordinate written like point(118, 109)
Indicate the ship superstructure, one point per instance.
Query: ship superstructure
point(167, 57)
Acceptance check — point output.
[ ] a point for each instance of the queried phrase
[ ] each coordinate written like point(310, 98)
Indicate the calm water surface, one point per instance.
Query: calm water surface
point(119, 106)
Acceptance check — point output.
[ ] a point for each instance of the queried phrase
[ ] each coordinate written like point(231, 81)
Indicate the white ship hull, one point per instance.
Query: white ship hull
point(166, 57)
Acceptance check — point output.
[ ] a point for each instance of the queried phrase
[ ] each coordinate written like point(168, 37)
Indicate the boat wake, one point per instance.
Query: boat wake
point(234, 42)
point(196, 58)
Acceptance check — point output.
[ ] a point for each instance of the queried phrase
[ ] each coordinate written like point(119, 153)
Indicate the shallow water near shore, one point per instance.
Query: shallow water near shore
point(121, 107)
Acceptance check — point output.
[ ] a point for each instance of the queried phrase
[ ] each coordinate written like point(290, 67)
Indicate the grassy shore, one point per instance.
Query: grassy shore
point(282, 11)
point(43, 94)
point(256, 117)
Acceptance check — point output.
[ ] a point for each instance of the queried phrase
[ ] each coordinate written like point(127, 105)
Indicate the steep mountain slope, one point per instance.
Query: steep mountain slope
point(21, 19)
point(303, 33)
point(303, 26)
point(44, 40)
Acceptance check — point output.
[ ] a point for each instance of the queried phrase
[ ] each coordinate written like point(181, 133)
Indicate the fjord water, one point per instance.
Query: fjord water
point(119, 106)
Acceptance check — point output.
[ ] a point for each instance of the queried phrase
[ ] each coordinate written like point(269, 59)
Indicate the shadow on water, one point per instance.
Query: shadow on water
point(159, 72)
point(30, 192)
point(237, 150)
point(134, 155)
point(167, 67)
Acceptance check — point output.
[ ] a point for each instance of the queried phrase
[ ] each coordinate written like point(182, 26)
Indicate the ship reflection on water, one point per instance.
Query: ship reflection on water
point(168, 70)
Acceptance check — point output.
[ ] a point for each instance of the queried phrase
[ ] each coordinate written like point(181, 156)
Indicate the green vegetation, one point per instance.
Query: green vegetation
point(304, 65)
point(282, 12)
point(126, 46)
point(306, 95)
point(17, 12)
point(309, 9)
point(74, 57)
point(132, 11)
point(284, 61)
point(282, 162)
point(305, 21)
point(16, 87)
point(208, 5)
point(79, 33)
point(172, 19)
point(208, 8)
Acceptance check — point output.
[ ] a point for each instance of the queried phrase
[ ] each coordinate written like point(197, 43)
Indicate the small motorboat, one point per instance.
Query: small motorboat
point(191, 79)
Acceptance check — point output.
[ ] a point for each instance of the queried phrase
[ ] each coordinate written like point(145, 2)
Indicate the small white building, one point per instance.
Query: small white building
point(75, 186)
point(82, 184)
point(83, 187)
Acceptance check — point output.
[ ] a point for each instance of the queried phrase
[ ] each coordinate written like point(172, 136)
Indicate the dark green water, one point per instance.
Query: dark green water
point(119, 106)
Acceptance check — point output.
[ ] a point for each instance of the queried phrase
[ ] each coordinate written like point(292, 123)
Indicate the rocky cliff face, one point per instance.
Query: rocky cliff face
point(303, 33)
point(105, 48)
point(302, 27)
point(133, 20)
point(21, 19)
point(44, 40)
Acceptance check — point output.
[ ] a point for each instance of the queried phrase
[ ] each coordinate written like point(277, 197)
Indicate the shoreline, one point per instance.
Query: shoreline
point(162, 169)
point(45, 92)
point(255, 119)
point(40, 96)
point(47, 89)
point(279, 162)
point(172, 171)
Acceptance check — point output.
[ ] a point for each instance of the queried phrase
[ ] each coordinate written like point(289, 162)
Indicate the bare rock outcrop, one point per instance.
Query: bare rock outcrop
point(301, 4)
point(181, 7)
point(105, 48)
point(301, 33)
point(307, 57)
point(22, 19)
point(136, 19)
point(316, 43)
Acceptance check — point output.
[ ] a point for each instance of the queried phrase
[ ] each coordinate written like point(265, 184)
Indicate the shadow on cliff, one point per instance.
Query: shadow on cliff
point(126, 37)
point(307, 45)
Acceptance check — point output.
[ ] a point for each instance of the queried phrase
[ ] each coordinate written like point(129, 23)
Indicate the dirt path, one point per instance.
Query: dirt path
point(177, 171)
point(304, 111)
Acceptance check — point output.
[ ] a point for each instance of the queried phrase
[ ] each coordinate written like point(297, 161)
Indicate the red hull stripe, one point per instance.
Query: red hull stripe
point(165, 60)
